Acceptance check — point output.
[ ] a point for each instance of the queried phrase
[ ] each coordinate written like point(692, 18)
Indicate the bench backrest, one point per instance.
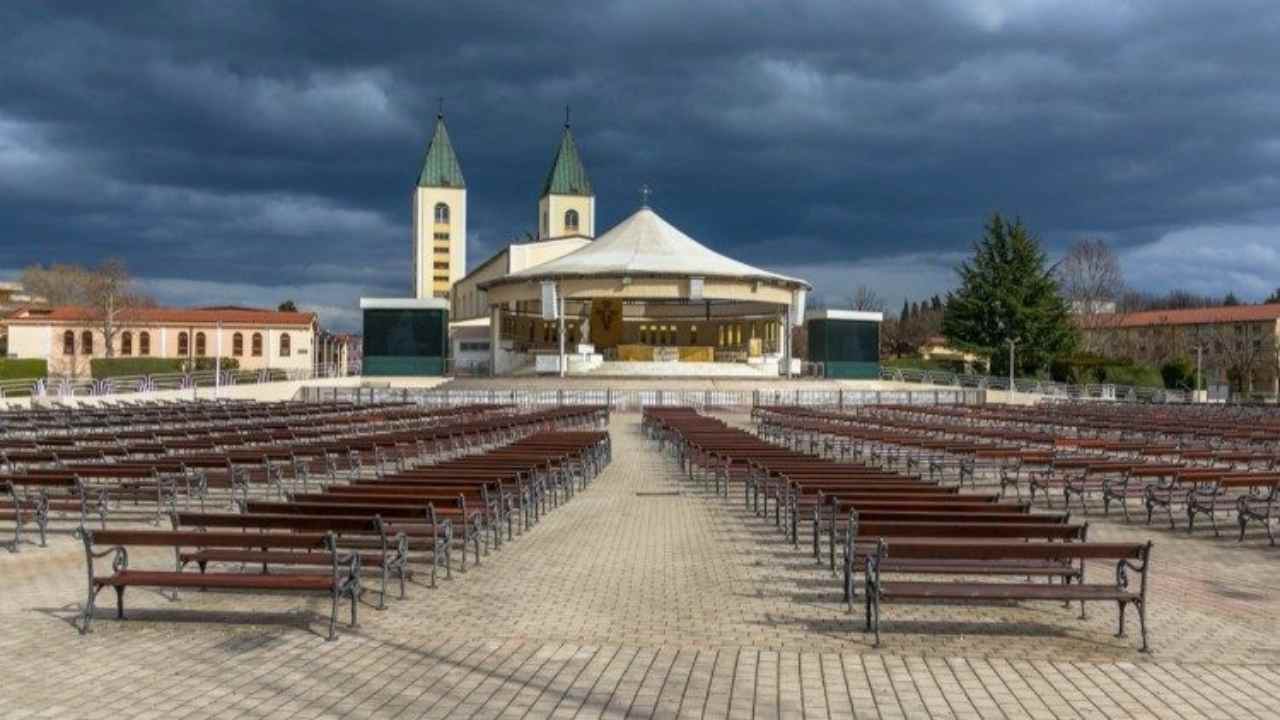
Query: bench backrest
point(190, 538)
point(264, 521)
point(980, 550)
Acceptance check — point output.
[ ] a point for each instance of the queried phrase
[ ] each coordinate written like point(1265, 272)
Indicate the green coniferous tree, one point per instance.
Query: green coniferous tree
point(1008, 290)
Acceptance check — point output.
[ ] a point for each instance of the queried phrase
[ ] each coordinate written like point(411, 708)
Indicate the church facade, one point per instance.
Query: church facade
point(643, 297)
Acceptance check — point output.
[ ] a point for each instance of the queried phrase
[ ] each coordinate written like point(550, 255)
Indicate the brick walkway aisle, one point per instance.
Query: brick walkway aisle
point(645, 605)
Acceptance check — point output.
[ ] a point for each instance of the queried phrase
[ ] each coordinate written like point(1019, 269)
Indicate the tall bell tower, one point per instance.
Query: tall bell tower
point(439, 218)
point(567, 205)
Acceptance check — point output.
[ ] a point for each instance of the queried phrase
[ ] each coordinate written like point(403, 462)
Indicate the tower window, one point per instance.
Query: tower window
point(571, 220)
point(442, 213)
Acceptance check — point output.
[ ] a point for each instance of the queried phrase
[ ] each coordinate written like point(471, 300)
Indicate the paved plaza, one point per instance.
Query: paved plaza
point(646, 596)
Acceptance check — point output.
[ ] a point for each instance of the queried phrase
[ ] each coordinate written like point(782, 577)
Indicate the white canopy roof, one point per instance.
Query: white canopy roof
point(646, 245)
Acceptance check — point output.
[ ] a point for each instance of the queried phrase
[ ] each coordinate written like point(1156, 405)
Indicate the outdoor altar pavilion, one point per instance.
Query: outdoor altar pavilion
point(644, 292)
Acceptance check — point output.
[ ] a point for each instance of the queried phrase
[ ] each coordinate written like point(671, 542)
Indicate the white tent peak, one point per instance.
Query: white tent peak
point(644, 244)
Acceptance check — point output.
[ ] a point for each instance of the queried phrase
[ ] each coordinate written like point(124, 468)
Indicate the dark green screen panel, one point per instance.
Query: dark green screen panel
point(405, 341)
point(848, 348)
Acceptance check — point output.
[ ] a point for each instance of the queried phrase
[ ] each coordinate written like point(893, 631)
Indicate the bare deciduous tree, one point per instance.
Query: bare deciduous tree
point(1093, 284)
point(107, 292)
point(866, 299)
point(1090, 276)
point(58, 284)
point(1237, 356)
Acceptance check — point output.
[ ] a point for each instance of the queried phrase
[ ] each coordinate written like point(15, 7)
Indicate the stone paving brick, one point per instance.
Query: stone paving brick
point(621, 605)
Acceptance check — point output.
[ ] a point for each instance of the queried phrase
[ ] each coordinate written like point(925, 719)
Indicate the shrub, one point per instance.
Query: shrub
point(915, 363)
point(101, 368)
point(1138, 375)
point(1178, 374)
point(1079, 369)
point(208, 363)
point(11, 369)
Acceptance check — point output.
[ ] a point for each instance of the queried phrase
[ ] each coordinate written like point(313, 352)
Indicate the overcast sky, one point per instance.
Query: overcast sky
point(249, 152)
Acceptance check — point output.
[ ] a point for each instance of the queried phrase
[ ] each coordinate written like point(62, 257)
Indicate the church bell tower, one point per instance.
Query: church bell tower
point(439, 219)
point(567, 205)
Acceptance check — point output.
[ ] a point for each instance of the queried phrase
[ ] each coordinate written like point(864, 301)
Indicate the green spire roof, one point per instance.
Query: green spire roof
point(441, 168)
point(567, 176)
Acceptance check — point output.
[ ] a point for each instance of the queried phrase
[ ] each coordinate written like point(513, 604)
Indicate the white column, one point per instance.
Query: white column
point(786, 340)
point(564, 370)
point(495, 336)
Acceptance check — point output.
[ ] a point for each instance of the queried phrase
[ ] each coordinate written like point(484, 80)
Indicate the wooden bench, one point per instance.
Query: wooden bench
point(1129, 558)
point(342, 580)
point(388, 552)
point(32, 497)
point(1252, 496)
point(859, 532)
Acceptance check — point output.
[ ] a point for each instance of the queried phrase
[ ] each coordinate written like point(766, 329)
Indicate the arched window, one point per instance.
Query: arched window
point(237, 344)
point(285, 348)
point(442, 214)
point(184, 344)
point(200, 346)
point(571, 221)
point(256, 346)
point(86, 342)
point(144, 343)
point(68, 343)
point(126, 343)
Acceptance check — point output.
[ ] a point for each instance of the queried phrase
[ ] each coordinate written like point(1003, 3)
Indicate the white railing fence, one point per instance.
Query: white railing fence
point(54, 388)
point(1048, 388)
point(624, 400)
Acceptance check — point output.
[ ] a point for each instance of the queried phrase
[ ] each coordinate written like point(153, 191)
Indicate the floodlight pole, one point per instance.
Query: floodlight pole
point(217, 364)
point(1012, 342)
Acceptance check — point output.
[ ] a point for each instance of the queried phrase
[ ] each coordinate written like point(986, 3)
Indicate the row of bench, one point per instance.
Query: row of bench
point(275, 464)
point(897, 524)
point(1198, 483)
point(385, 523)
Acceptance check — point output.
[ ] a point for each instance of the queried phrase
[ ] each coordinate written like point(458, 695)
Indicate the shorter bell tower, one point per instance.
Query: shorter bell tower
point(567, 205)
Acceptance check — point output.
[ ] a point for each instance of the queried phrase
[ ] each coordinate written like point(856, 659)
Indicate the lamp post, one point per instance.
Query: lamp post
point(1012, 342)
point(217, 364)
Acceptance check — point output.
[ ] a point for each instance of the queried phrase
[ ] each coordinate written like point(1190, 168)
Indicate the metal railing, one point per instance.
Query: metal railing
point(633, 400)
point(53, 388)
point(1050, 389)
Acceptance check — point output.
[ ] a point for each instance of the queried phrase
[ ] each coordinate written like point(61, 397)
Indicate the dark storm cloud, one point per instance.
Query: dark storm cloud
point(269, 149)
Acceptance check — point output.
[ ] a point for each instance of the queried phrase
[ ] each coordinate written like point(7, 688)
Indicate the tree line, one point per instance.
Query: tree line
point(1009, 293)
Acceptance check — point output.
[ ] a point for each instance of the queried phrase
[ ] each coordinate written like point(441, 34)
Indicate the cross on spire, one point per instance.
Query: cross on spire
point(566, 116)
point(440, 104)
point(645, 192)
